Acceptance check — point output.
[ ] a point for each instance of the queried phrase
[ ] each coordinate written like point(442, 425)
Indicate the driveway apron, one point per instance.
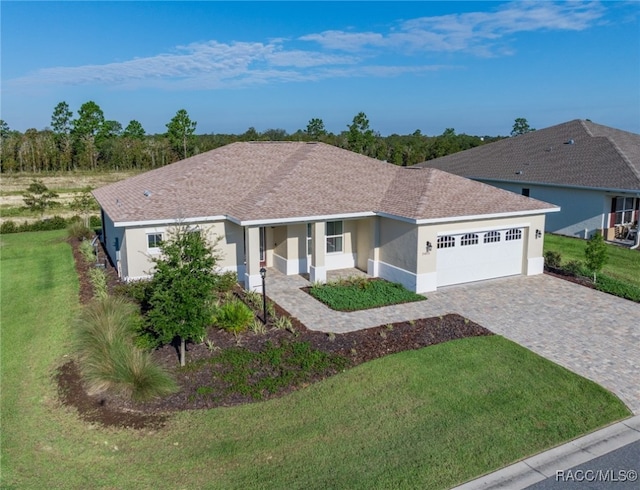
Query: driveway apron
point(589, 332)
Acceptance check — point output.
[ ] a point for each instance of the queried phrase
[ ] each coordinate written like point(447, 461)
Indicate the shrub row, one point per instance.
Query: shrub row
point(49, 224)
point(618, 288)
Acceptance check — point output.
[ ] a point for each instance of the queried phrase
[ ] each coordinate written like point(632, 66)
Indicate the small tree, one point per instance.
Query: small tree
point(182, 286)
point(595, 254)
point(38, 197)
point(83, 203)
point(180, 133)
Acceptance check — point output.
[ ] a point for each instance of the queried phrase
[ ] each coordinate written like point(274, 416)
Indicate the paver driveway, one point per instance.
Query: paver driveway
point(591, 333)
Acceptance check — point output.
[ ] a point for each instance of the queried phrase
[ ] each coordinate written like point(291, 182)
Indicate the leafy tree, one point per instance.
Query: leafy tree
point(90, 119)
point(595, 254)
point(134, 130)
point(360, 138)
point(521, 126)
point(182, 286)
point(180, 133)
point(38, 197)
point(4, 129)
point(315, 129)
point(85, 128)
point(61, 126)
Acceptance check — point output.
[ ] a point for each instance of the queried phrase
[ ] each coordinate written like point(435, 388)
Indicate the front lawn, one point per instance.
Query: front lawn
point(361, 293)
point(427, 418)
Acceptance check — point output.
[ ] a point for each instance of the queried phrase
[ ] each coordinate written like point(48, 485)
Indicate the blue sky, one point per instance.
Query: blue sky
point(471, 66)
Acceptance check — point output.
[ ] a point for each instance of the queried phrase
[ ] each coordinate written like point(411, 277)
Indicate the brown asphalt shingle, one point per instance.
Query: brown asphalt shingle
point(279, 180)
point(598, 157)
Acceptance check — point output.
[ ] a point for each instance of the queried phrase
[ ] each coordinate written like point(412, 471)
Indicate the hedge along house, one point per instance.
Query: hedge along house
point(591, 171)
point(311, 207)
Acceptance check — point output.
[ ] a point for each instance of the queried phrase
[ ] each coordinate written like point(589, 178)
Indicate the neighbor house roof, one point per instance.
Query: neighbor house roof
point(576, 154)
point(285, 181)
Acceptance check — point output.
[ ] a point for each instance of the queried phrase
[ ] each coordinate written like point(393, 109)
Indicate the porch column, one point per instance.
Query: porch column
point(318, 270)
point(252, 279)
point(374, 247)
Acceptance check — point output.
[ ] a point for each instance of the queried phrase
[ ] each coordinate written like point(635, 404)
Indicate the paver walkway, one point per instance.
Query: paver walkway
point(591, 333)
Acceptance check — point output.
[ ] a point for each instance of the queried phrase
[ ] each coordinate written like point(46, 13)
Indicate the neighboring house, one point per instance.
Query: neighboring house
point(591, 171)
point(311, 207)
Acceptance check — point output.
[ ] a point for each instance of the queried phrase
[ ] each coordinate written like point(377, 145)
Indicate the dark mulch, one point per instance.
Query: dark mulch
point(357, 347)
point(562, 274)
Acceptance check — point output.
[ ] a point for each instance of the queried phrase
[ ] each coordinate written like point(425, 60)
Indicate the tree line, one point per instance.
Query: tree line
point(89, 141)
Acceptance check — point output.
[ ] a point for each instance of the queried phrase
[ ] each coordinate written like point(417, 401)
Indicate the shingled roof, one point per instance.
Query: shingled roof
point(575, 154)
point(284, 181)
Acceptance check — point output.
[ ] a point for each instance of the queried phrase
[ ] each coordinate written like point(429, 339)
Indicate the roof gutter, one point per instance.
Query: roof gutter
point(546, 184)
point(455, 219)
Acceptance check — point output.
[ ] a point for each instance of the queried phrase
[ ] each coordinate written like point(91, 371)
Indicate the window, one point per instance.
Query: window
point(492, 237)
point(469, 239)
point(154, 240)
point(525, 191)
point(446, 241)
point(334, 236)
point(309, 239)
point(624, 210)
point(513, 234)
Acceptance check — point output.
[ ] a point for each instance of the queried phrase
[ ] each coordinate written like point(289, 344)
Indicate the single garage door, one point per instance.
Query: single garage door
point(476, 256)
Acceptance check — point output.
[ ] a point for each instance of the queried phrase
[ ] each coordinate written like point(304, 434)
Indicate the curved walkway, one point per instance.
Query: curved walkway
point(591, 333)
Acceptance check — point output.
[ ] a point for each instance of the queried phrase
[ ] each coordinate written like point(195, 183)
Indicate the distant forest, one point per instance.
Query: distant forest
point(89, 141)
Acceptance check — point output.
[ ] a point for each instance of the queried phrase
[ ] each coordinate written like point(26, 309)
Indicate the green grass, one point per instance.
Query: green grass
point(429, 418)
point(361, 294)
point(622, 263)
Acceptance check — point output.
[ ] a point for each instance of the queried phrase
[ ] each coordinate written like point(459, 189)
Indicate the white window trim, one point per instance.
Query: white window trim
point(341, 236)
point(154, 250)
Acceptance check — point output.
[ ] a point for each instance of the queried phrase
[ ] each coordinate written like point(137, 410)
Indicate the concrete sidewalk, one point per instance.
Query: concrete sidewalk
point(544, 465)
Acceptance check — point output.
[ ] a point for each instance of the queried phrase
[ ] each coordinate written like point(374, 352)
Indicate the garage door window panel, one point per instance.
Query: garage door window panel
point(446, 241)
point(469, 239)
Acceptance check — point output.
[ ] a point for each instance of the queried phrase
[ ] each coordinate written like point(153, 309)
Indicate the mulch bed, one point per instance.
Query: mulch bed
point(358, 347)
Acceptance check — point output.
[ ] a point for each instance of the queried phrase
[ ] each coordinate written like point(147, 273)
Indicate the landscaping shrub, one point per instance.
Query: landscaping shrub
point(77, 229)
point(95, 222)
point(275, 368)
point(98, 278)
point(226, 281)
point(618, 288)
point(355, 295)
point(576, 268)
point(86, 249)
point(552, 259)
point(234, 316)
point(48, 224)
point(8, 227)
point(108, 358)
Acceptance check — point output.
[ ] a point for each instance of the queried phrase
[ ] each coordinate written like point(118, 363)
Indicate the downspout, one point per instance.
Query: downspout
point(637, 244)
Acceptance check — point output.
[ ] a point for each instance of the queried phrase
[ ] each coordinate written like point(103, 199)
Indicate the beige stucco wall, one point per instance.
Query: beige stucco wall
point(398, 244)
point(136, 258)
point(363, 242)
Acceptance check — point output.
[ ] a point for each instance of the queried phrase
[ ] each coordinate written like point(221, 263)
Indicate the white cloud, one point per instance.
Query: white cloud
point(213, 64)
point(476, 32)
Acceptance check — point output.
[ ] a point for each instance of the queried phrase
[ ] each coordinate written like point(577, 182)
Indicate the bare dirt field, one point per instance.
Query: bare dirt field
point(66, 185)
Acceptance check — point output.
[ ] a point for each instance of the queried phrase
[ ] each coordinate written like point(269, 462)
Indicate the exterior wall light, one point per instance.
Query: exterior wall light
point(429, 247)
point(538, 233)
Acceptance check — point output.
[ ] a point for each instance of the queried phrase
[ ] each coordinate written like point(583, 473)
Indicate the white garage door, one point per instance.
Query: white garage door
point(476, 256)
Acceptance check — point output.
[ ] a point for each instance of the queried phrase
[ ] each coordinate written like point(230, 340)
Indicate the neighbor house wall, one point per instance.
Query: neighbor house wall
point(581, 209)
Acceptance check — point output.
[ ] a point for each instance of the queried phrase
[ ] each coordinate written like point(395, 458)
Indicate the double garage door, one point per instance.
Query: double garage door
point(476, 256)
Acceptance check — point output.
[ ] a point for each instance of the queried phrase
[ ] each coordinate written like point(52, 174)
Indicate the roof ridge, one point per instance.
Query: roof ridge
point(634, 170)
point(275, 181)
